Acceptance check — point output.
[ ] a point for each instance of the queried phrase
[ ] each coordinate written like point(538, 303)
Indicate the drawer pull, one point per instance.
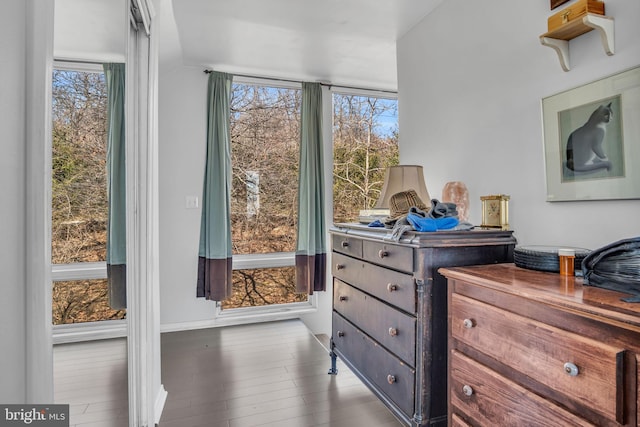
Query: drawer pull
point(344, 244)
point(469, 323)
point(343, 298)
point(340, 334)
point(391, 379)
point(391, 287)
point(571, 369)
point(393, 332)
point(339, 266)
point(382, 253)
point(467, 390)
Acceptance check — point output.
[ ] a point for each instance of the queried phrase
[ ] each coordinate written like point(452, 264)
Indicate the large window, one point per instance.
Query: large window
point(365, 143)
point(79, 197)
point(265, 133)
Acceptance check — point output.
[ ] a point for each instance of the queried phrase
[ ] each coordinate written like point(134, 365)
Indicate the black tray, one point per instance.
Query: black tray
point(545, 258)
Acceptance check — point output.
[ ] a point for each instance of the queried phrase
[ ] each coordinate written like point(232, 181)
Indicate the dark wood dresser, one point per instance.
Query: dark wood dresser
point(390, 310)
point(529, 348)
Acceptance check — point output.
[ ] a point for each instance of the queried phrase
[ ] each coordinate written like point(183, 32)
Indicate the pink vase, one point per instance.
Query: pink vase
point(456, 192)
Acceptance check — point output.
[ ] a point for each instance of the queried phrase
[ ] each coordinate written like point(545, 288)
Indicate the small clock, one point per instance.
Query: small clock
point(495, 211)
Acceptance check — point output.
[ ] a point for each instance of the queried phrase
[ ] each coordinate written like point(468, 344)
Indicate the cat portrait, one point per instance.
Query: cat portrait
point(593, 146)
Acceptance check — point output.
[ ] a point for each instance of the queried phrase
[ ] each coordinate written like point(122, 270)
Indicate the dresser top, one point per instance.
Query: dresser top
point(549, 288)
point(477, 236)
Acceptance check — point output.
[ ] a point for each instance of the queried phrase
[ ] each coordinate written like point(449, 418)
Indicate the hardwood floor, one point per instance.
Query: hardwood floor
point(267, 374)
point(92, 378)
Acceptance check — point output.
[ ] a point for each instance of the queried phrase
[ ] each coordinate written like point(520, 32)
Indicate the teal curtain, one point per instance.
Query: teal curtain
point(311, 248)
point(116, 187)
point(214, 256)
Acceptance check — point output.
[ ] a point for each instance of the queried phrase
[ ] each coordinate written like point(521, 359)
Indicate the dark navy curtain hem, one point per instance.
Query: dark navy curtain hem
point(311, 273)
point(214, 278)
point(117, 285)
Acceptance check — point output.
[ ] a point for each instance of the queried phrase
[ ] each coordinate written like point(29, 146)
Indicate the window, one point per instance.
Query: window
point(265, 147)
point(79, 197)
point(365, 143)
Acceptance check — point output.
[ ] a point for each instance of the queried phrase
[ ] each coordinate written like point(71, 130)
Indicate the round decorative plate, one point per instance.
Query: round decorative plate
point(545, 258)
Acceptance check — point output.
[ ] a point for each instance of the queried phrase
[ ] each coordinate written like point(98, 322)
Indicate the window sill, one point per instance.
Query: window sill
point(89, 331)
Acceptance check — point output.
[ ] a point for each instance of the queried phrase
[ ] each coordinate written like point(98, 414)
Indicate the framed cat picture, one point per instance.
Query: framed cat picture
point(592, 140)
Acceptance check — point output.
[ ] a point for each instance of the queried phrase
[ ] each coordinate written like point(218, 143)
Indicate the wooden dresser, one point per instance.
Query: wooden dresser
point(528, 348)
point(390, 311)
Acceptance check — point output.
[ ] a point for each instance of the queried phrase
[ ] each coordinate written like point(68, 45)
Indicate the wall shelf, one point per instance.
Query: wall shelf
point(559, 38)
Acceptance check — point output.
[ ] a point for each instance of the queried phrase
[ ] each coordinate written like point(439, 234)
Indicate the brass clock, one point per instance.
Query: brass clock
point(495, 211)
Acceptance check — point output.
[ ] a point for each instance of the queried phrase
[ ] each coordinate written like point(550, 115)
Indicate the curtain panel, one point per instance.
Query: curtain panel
point(214, 256)
point(116, 187)
point(311, 248)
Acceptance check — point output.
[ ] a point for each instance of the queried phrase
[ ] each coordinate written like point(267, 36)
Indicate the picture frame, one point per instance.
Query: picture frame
point(555, 3)
point(592, 140)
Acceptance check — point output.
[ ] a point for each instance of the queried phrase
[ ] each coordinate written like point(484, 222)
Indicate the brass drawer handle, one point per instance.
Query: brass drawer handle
point(571, 369)
point(469, 323)
point(339, 266)
point(393, 332)
point(467, 390)
point(340, 334)
point(391, 287)
point(343, 298)
point(391, 379)
point(344, 244)
point(382, 253)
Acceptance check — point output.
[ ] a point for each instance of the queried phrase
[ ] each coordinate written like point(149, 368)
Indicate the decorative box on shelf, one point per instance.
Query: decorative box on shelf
point(574, 12)
point(575, 20)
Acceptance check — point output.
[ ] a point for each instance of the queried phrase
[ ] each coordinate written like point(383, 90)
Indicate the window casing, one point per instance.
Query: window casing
point(79, 199)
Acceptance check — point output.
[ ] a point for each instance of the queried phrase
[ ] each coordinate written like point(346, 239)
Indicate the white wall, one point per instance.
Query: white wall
point(471, 77)
point(182, 142)
point(13, 205)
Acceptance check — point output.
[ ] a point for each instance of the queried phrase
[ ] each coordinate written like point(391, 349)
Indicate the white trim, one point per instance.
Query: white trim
point(161, 399)
point(79, 271)
point(362, 92)
point(69, 64)
point(266, 81)
point(38, 289)
point(272, 260)
point(89, 331)
point(283, 314)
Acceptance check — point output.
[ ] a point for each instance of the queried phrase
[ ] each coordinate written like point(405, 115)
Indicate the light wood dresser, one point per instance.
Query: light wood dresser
point(390, 311)
point(529, 348)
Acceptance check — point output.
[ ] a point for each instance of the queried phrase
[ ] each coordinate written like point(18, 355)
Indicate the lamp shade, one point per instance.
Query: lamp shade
point(402, 178)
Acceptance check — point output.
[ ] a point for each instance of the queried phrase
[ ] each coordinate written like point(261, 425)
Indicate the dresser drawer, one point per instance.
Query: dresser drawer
point(393, 256)
point(395, 288)
point(392, 328)
point(582, 369)
point(347, 245)
point(389, 374)
point(490, 400)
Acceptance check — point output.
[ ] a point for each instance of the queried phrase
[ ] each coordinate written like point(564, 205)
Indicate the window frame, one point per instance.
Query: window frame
point(93, 330)
point(264, 260)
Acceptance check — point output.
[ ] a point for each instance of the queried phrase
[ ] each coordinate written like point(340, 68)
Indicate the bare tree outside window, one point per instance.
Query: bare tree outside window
point(365, 144)
point(265, 133)
point(79, 192)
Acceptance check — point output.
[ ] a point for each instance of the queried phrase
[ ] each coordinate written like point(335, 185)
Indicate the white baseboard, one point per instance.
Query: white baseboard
point(161, 399)
point(240, 319)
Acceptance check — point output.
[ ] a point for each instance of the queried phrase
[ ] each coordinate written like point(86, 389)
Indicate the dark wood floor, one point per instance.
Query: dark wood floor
point(267, 374)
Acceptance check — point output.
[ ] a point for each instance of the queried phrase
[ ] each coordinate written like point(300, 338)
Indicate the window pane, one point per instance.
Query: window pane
point(264, 286)
point(79, 196)
point(82, 301)
point(365, 143)
point(265, 129)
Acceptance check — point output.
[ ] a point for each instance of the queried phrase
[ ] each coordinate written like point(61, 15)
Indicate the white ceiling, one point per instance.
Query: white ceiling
point(344, 42)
